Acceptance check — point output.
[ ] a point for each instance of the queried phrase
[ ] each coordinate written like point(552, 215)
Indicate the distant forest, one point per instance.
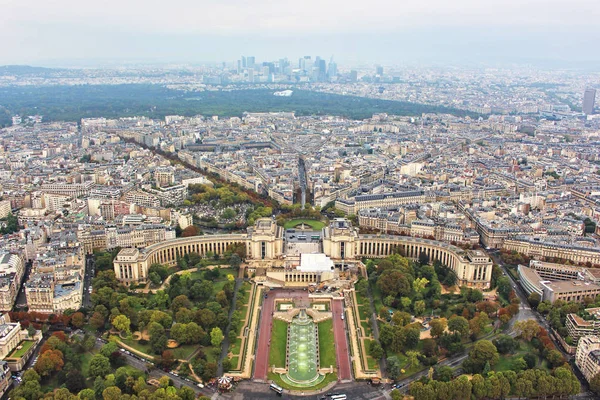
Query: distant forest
point(71, 103)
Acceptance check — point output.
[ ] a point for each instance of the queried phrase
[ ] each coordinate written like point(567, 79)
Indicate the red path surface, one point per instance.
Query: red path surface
point(341, 341)
point(261, 362)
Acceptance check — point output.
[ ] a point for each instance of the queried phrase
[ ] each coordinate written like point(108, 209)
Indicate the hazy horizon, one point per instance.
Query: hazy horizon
point(464, 32)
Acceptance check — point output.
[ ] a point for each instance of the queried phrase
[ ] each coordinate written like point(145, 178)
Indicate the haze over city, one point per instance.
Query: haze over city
point(72, 33)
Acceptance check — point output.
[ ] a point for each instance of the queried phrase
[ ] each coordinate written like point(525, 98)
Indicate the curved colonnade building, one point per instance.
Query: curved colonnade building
point(340, 241)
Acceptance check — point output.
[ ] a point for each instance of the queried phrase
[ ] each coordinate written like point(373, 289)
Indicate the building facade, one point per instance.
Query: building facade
point(587, 356)
point(340, 241)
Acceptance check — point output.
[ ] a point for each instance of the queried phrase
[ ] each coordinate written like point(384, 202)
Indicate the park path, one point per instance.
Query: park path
point(341, 341)
point(225, 343)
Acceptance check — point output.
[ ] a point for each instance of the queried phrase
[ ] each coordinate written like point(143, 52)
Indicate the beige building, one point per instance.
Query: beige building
point(12, 268)
point(46, 295)
point(556, 285)
point(579, 327)
point(533, 248)
point(340, 242)
point(587, 356)
point(5, 208)
point(13, 338)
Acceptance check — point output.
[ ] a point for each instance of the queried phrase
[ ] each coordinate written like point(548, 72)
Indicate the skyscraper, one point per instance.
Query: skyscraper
point(379, 70)
point(250, 61)
point(589, 97)
point(332, 70)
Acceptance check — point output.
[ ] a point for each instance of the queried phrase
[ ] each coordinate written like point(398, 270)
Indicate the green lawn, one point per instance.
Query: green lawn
point(277, 379)
point(371, 362)
point(506, 361)
point(144, 348)
point(21, 352)
point(314, 224)
point(85, 362)
point(326, 344)
point(184, 352)
point(364, 312)
point(278, 344)
point(366, 327)
point(236, 346)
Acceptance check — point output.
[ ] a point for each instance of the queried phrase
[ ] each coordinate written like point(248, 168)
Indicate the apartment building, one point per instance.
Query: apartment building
point(12, 268)
point(5, 208)
point(587, 356)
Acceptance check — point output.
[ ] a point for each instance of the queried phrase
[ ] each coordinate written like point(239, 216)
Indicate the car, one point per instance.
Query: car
point(200, 385)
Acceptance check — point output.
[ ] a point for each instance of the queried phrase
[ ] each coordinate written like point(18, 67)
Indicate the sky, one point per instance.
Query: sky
point(392, 32)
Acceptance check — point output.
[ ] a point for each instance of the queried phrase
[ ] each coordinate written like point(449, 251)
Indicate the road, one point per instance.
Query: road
point(248, 390)
point(225, 344)
point(341, 341)
point(21, 301)
point(87, 280)
point(525, 311)
point(142, 365)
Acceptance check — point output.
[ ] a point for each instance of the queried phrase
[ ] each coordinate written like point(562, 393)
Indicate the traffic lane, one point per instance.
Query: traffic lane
point(142, 364)
point(341, 341)
point(248, 390)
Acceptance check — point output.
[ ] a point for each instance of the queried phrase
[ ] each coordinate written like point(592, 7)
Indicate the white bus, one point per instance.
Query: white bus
point(338, 397)
point(276, 388)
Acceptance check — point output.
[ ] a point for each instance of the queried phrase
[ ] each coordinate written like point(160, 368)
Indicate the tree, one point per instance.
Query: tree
point(419, 284)
point(111, 393)
point(413, 357)
point(527, 329)
point(121, 323)
point(519, 364)
point(393, 283)
point(86, 394)
point(77, 320)
point(394, 367)
point(534, 299)
point(444, 374)
point(375, 350)
point(235, 261)
point(419, 307)
point(167, 359)
point(216, 336)
point(108, 349)
point(154, 278)
point(99, 366)
point(49, 361)
point(595, 384)
point(504, 286)
point(530, 359)
point(505, 344)
point(181, 301)
point(191, 230)
point(483, 351)
point(438, 326)
point(75, 381)
point(478, 323)
point(555, 358)
point(97, 320)
point(459, 325)
point(186, 393)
